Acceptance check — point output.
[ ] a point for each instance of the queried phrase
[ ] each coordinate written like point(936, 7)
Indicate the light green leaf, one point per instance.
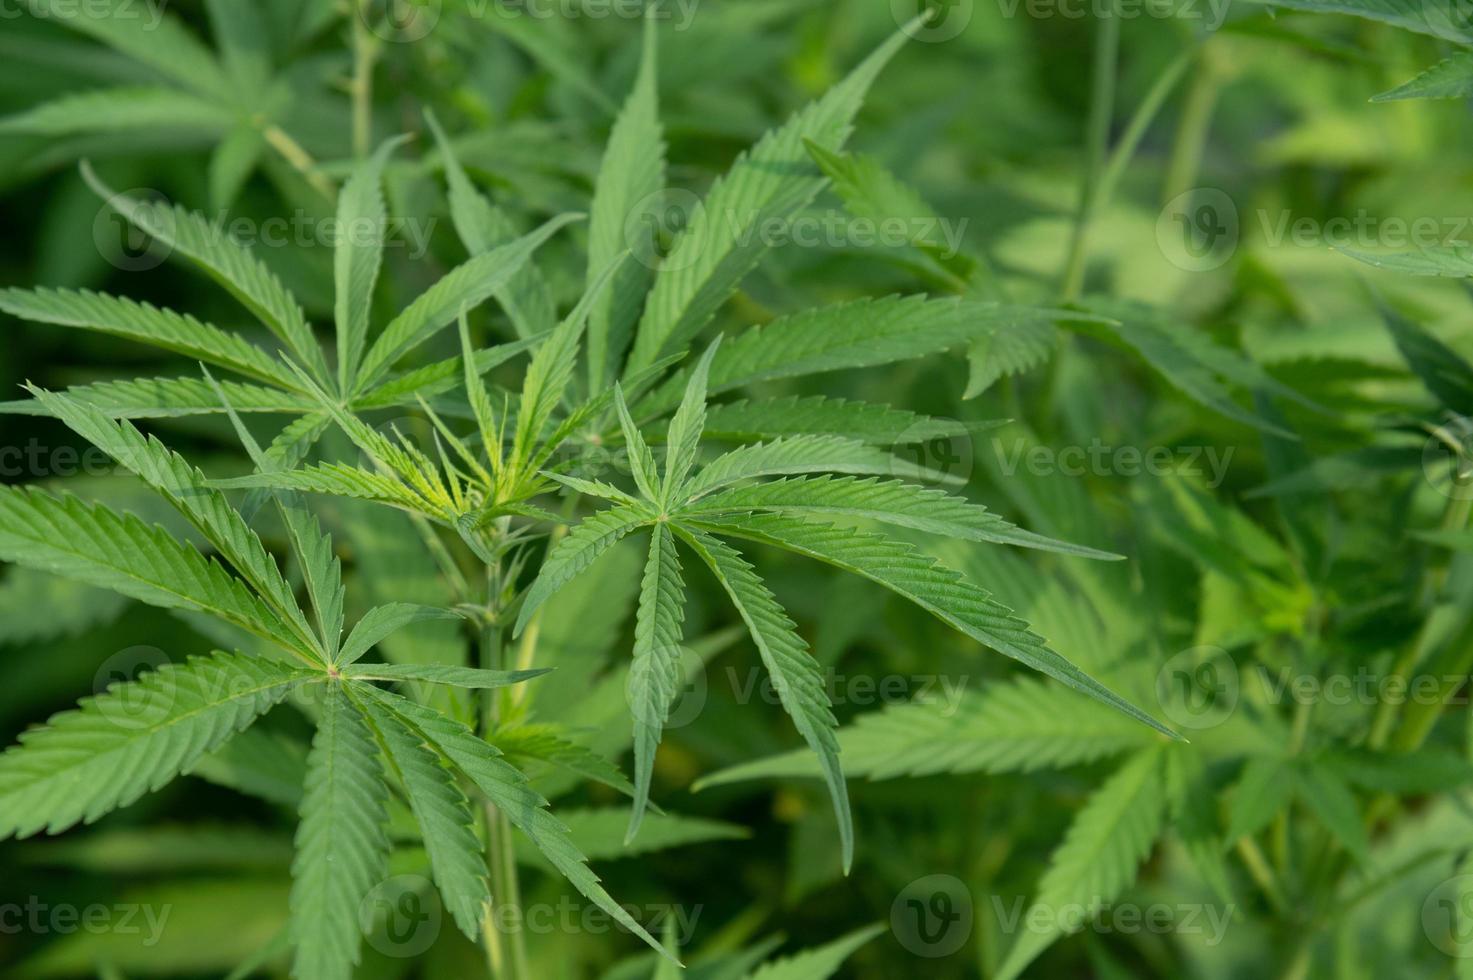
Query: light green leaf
point(336, 479)
point(92, 544)
point(654, 676)
point(1009, 349)
point(1448, 22)
point(798, 455)
point(120, 110)
point(550, 372)
point(171, 331)
point(720, 244)
point(186, 488)
point(482, 226)
point(132, 740)
point(576, 551)
point(380, 621)
point(342, 844)
point(443, 814)
point(891, 502)
point(599, 833)
point(1015, 726)
point(932, 586)
point(148, 398)
point(625, 195)
point(876, 425)
point(1323, 791)
point(641, 460)
point(359, 253)
point(459, 290)
point(227, 262)
point(1265, 787)
point(819, 963)
point(1451, 78)
point(797, 677)
point(507, 789)
point(860, 333)
point(441, 376)
point(1098, 860)
point(683, 439)
point(149, 35)
point(548, 744)
point(469, 677)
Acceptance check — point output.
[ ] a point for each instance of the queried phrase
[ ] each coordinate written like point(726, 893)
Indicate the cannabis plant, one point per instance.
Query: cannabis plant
point(498, 504)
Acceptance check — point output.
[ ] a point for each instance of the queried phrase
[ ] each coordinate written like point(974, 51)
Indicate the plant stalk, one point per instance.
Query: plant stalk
point(301, 161)
point(1097, 138)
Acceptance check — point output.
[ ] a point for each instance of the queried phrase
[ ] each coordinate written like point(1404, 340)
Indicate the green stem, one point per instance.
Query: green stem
point(506, 953)
point(1454, 517)
point(1097, 138)
point(1262, 873)
point(302, 161)
point(365, 55)
point(1191, 131)
point(1135, 130)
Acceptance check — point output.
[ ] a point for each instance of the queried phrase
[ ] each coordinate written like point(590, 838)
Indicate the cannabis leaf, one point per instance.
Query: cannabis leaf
point(681, 505)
